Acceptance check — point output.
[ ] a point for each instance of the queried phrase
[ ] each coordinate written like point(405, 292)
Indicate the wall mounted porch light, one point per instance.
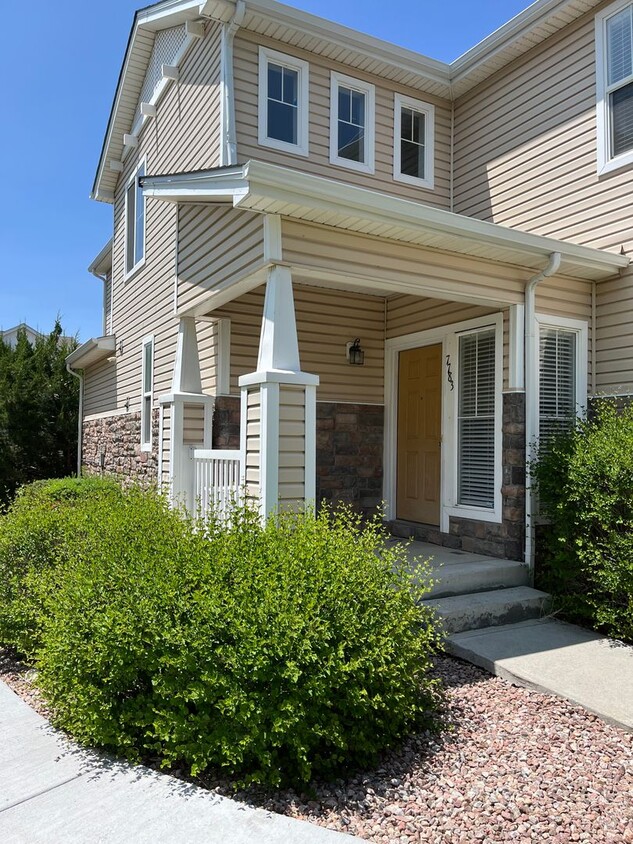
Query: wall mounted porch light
point(355, 355)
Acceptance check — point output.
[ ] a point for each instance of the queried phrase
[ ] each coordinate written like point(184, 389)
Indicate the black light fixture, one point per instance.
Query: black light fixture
point(355, 355)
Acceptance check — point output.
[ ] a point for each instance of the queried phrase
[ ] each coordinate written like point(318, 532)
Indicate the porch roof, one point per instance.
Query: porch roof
point(92, 351)
point(270, 189)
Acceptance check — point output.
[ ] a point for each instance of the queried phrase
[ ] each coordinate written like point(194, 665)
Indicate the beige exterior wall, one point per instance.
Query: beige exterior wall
point(217, 246)
point(318, 161)
point(253, 442)
point(183, 136)
point(526, 156)
point(291, 447)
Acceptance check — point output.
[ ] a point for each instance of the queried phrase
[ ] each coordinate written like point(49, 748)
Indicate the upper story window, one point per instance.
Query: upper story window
point(134, 223)
point(614, 85)
point(352, 108)
point(283, 102)
point(413, 142)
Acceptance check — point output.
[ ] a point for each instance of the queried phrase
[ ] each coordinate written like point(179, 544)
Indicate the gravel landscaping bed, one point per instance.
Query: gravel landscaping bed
point(515, 765)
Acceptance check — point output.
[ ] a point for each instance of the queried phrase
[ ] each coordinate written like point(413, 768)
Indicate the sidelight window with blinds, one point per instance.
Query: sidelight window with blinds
point(614, 72)
point(476, 420)
point(557, 381)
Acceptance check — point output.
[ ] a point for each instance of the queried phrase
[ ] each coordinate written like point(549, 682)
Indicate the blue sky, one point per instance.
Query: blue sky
point(60, 74)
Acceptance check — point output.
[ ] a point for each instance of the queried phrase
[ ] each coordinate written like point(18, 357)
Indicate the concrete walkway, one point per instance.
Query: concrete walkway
point(559, 658)
point(53, 792)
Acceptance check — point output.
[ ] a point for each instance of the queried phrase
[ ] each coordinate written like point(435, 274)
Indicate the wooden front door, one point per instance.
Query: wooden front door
point(419, 434)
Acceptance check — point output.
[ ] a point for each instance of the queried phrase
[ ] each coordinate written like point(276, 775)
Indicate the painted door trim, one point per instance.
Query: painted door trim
point(446, 335)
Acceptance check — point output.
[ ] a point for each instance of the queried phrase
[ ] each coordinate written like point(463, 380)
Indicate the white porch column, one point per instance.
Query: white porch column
point(187, 416)
point(279, 409)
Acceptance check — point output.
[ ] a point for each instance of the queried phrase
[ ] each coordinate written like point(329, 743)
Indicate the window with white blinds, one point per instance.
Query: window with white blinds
point(557, 381)
point(476, 420)
point(615, 78)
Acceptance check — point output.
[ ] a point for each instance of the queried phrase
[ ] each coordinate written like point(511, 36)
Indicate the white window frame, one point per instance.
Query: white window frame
point(428, 110)
point(146, 445)
point(581, 329)
point(127, 274)
point(448, 336)
point(302, 147)
point(607, 162)
point(337, 80)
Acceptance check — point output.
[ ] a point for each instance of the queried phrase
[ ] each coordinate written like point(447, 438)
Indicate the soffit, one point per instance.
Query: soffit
point(269, 189)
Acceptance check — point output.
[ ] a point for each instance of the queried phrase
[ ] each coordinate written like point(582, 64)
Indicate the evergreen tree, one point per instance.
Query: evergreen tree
point(39, 402)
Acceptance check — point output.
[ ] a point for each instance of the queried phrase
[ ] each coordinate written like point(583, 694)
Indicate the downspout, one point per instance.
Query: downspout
point(228, 147)
point(531, 396)
point(594, 305)
point(80, 424)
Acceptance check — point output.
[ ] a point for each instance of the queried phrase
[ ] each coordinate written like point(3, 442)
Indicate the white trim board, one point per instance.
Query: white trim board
point(446, 335)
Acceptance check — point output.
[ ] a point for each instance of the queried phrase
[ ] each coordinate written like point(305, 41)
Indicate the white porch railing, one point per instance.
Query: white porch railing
point(217, 479)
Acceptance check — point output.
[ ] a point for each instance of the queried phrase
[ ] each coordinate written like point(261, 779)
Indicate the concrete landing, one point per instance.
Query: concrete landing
point(51, 791)
point(555, 657)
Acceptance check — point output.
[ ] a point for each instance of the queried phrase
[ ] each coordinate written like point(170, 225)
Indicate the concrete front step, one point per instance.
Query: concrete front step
point(481, 576)
point(489, 609)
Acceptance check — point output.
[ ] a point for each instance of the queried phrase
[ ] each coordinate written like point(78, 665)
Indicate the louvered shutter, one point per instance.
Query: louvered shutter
point(557, 381)
point(476, 419)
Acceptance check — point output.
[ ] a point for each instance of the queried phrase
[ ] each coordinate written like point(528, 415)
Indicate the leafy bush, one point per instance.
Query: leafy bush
point(272, 652)
point(585, 485)
point(41, 525)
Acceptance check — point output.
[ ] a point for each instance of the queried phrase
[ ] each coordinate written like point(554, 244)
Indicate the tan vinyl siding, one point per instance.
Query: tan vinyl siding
point(409, 314)
point(100, 388)
point(317, 163)
point(326, 321)
point(216, 246)
point(193, 424)
point(373, 260)
point(614, 336)
point(291, 447)
point(183, 136)
point(253, 442)
point(207, 333)
point(525, 147)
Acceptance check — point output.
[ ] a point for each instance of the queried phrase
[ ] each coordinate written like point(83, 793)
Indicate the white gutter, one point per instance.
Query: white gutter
point(532, 397)
point(80, 424)
point(228, 147)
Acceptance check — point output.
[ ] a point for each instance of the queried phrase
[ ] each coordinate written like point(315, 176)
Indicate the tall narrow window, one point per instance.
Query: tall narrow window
point(283, 102)
point(557, 381)
point(134, 222)
point(614, 56)
point(147, 393)
point(476, 420)
point(413, 142)
point(352, 123)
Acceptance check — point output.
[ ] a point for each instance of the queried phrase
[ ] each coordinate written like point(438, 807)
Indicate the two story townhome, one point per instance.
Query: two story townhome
point(341, 270)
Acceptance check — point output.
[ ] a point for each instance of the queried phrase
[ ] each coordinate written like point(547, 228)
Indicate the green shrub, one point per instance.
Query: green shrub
point(37, 531)
point(275, 652)
point(585, 486)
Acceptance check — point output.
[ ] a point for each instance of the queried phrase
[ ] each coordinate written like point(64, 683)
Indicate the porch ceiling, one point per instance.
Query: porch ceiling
point(270, 189)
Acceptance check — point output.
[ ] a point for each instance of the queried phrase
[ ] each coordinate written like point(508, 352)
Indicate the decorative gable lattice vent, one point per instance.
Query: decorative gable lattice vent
point(167, 45)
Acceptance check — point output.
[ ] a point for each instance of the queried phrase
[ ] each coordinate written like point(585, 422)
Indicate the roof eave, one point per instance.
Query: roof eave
point(92, 351)
point(103, 262)
point(247, 184)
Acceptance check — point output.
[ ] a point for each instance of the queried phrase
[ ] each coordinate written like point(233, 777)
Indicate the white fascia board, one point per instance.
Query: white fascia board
point(168, 13)
point(378, 206)
point(519, 25)
point(212, 186)
point(92, 351)
point(103, 262)
point(258, 180)
point(349, 39)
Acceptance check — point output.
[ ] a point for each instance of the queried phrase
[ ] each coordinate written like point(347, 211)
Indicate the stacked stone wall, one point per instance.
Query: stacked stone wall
point(112, 446)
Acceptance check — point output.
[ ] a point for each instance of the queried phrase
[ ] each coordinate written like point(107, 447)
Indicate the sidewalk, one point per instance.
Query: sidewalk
point(53, 792)
point(557, 658)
